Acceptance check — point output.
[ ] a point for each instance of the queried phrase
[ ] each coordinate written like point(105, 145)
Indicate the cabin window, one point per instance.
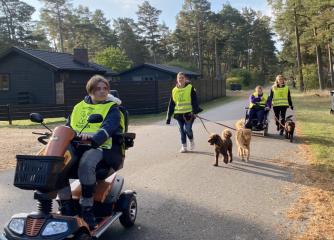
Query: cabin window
point(136, 78)
point(4, 82)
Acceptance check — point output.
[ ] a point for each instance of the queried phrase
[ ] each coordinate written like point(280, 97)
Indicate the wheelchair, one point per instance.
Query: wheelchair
point(253, 123)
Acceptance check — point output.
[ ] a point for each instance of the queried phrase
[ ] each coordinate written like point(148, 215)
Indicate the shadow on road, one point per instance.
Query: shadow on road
point(177, 219)
point(201, 152)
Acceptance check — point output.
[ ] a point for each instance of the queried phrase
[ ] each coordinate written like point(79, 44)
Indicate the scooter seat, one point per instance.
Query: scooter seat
point(103, 188)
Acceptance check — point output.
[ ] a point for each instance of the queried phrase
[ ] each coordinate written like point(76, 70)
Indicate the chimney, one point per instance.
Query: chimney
point(80, 55)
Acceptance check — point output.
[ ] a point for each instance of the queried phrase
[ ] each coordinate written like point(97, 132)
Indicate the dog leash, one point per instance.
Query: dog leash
point(279, 122)
point(204, 125)
point(202, 118)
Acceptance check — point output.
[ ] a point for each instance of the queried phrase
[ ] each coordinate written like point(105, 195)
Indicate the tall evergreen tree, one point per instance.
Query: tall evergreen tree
point(148, 17)
point(55, 15)
point(16, 27)
point(129, 41)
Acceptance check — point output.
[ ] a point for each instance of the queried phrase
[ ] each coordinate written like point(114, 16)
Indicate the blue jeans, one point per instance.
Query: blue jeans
point(185, 129)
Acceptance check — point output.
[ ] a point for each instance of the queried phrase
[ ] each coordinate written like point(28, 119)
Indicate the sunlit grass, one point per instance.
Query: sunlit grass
point(28, 124)
point(316, 125)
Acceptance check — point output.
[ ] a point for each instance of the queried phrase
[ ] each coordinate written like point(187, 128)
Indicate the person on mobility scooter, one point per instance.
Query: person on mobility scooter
point(256, 114)
point(90, 148)
point(103, 152)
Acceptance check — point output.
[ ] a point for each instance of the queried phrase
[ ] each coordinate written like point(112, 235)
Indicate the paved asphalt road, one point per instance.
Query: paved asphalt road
point(182, 196)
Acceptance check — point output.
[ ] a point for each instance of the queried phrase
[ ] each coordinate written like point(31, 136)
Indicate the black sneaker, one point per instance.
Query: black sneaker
point(281, 132)
point(88, 215)
point(66, 207)
point(277, 127)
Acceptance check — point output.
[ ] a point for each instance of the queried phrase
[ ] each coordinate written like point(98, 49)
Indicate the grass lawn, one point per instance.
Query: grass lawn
point(28, 124)
point(315, 206)
point(317, 126)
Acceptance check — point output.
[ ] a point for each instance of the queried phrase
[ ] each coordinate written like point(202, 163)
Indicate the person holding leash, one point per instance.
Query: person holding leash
point(280, 97)
point(183, 105)
point(103, 150)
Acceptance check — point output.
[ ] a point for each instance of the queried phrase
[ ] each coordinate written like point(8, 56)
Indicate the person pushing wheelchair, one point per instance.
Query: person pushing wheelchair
point(259, 106)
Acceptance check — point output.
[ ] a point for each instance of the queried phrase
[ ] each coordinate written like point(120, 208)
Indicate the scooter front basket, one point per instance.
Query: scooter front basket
point(40, 173)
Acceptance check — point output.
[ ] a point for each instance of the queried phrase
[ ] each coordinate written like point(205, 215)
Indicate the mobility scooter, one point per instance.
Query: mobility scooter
point(46, 173)
point(253, 123)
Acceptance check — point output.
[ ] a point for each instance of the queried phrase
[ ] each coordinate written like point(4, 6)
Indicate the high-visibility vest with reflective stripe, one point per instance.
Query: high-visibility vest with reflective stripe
point(280, 96)
point(80, 115)
point(263, 101)
point(182, 99)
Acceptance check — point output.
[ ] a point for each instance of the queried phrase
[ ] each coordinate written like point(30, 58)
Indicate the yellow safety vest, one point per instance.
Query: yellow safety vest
point(263, 101)
point(80, 115)
point(182, 99)
point(280, 96)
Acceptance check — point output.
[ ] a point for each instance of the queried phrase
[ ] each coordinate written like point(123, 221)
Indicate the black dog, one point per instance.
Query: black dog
point(289, 128)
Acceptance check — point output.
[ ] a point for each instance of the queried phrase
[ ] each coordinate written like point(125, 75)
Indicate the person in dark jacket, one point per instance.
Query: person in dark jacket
point(103, 150)
point(280, 97)
point(183, 105)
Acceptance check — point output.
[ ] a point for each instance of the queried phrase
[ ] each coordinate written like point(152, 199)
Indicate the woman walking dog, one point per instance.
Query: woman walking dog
point(183, 104)
point(281, 100)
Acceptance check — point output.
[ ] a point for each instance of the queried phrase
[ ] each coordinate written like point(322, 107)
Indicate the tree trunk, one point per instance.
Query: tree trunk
point(199, 45)
point(217, 61)
point(320, 66)
point(299, 58)
point(60, 29)
point(330, 62)
point(319, 62)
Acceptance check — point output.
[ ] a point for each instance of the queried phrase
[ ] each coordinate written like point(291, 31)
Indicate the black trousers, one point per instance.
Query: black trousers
point(280, 113)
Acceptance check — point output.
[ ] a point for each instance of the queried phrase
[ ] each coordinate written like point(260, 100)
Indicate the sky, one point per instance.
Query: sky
point(114, 9)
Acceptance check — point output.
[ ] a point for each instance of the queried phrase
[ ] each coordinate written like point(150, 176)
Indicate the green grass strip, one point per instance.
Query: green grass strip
point(317, 126)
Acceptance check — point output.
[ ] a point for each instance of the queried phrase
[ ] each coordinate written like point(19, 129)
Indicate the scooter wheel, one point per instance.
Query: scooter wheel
point(82, 236)
point(128, 203)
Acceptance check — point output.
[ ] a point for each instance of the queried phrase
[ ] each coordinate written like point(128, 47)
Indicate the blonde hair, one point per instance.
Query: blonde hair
point(278, 77)
point(180, 74)
point(93, 81)
point(257, 87)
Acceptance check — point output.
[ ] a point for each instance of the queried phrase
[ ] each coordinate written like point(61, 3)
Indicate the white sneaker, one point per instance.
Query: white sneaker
point(192, 144)
point(183, 149)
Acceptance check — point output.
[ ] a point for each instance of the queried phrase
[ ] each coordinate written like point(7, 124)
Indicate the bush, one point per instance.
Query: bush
point(231, 80)
point(310, 75)
point(113, 58)
point(245, 78)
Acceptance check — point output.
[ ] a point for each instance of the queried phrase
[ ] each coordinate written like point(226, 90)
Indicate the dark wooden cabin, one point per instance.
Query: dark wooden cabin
point(147, 88)
point(32, 77)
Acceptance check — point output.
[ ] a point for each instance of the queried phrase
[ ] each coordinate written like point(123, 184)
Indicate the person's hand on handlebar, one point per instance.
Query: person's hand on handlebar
point(84, 137)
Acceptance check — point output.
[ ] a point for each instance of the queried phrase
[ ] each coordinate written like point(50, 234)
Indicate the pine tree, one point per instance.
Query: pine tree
point(148, 27)
point(16, 26)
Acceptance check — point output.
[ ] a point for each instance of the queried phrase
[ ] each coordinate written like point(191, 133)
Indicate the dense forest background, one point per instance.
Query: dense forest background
point(229, 43)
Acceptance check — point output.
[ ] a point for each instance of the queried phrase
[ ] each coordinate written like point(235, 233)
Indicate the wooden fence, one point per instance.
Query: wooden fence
point(140, 97)
point(18, 112)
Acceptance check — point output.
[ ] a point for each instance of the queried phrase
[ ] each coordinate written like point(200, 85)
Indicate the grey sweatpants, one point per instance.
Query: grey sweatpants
point(86, 174)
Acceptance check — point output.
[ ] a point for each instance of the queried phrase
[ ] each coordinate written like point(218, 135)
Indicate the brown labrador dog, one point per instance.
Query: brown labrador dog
point(223, 146)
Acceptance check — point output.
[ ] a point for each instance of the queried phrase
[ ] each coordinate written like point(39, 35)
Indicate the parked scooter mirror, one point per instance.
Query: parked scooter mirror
point(95, 118)
point(36, 117)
